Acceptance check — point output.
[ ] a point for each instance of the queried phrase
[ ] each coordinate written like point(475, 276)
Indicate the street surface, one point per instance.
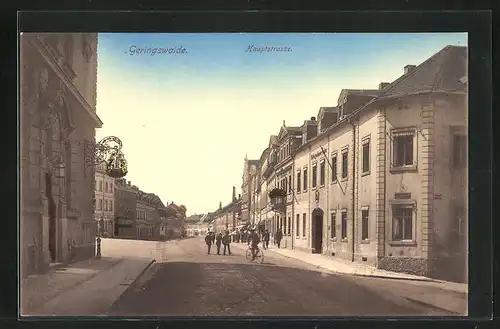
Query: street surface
point(185, 281)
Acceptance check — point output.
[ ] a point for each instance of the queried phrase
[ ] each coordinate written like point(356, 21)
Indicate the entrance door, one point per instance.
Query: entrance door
point(317, 232)
point(52, 218)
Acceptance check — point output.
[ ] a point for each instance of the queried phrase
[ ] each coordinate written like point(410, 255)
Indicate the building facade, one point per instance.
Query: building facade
point(125, 210)
point(58, 74)
point(228, 217)
point(247, 190)
point(148, 217)
point(381, 178)
point(104, 206)
point(289, 139)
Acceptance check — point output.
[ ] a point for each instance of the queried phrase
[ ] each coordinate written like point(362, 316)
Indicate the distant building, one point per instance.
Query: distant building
point(381, 178)
point(125, 209)
point(148, 216)
point(228, 218)
point(104, 212)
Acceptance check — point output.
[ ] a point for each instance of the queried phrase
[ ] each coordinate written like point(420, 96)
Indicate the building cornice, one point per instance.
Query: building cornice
point(49, 59)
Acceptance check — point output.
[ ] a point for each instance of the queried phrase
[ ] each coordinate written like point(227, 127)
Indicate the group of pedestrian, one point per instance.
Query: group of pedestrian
point(219, 240)
point(242, 236)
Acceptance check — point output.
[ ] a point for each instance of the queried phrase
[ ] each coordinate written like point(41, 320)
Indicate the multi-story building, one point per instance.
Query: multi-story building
point(247, 196)
point(174, 221)
point(58, 74)
point(382, 177)
point(268, 161)
point(289, 139)
point(104, 191)
point(148, 217)
point(227, 217)
point(125, 209)
point(395, 194)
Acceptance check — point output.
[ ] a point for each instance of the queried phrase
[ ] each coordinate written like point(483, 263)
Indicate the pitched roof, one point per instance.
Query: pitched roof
point(444, 71)
point(441, 72)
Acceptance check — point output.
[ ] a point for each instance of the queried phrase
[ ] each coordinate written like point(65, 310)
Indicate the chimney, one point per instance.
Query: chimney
point(239, 196)
point(409, 68)
point(382, 85)
point(309, 130)
point(220, 204)
point(128, 183)
point(234, 193)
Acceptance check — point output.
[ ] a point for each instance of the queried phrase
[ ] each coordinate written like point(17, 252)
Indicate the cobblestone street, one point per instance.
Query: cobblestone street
point(188, 282)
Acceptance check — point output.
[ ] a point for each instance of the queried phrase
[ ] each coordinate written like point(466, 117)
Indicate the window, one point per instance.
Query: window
point(297, 225)
point(105, 205)
point(366, 156)
point(334, 168)
point(110, 205)
point(344, 164)
point(314, 175)
point(344, 225)
point(305, 179)
point(403, 148)
point(289, 225)
point(283, 221)
point(100, 205)
point(364, 224)
point(304, 225)
point(106, 187)
point(289, 183)
point(111, 187)
point(322, 173)
point(95, 184)
point(100, 186)
point(298, 182)
point(459, 151)
point(402, 223)
point(333, 224)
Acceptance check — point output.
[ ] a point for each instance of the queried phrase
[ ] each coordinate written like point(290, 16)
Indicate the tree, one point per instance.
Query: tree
point(183, 208)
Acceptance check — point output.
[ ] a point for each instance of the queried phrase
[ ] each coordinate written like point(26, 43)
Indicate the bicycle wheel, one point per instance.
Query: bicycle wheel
point(260, 256)
point(248, 255)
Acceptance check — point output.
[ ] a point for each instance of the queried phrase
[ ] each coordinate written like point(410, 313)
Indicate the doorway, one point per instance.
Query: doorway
point(52, 218)
point(317, 231)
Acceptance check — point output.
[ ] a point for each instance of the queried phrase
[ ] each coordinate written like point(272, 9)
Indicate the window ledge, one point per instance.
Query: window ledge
point(411, 243)
point(366, 173)
point(322, 185)
point(404, 169)
point(365, 241)
point(334, 182)
point(343, 240)
point(304, 191)
point(333, 239)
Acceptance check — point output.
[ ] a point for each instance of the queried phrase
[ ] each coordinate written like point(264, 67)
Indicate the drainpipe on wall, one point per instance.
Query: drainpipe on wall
point(292, 188)
point(353, 123)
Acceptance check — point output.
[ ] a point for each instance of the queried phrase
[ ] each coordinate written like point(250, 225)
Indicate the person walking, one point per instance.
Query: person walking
point(218, 241)
point(279, 236)
point(265, 239)
point(226, 241)
point(208, 241)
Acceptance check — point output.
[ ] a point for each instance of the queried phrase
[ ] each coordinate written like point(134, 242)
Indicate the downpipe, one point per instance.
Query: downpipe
point(354, 148)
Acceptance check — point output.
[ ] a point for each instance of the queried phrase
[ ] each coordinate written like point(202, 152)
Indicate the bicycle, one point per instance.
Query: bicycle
point(258, 256)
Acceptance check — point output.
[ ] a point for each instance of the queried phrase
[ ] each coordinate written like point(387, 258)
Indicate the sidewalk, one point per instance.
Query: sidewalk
point(351, 268)
point(83, 288)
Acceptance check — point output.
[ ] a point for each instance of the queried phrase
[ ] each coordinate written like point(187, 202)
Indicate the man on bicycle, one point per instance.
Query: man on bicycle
point(254, 239)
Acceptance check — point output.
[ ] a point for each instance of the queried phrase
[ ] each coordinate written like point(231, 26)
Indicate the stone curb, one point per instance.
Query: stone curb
point(142, 272)
point(380, 276)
